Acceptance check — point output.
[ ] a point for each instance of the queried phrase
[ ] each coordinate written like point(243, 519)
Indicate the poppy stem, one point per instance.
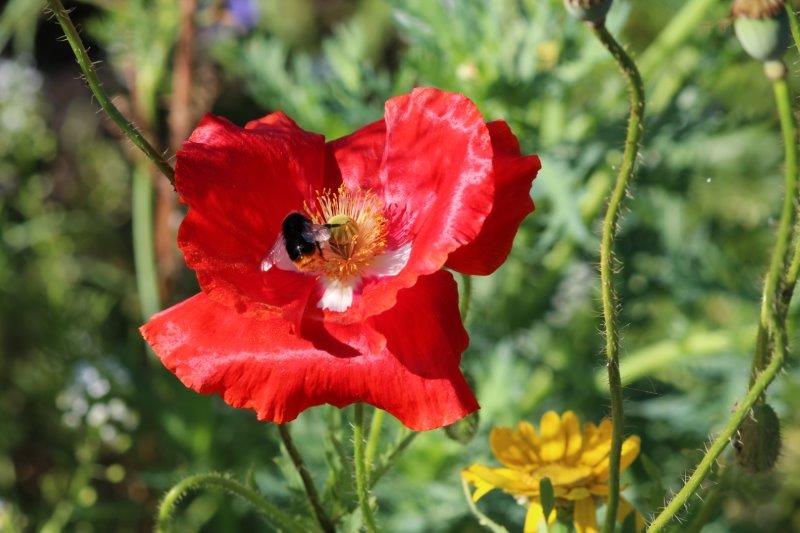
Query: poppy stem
point(166, 509)
point(143, 249)
point(92, 80)
point(609, 298)
point(374, 438)
point(311, 491)
point(362, 481)
point(771, 345)
point(465, 297)
point(794, 25)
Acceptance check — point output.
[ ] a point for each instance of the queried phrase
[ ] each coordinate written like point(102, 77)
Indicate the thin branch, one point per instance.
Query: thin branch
point(86, 66)
point(609, 298)
point(311, 491)
point(362, 481)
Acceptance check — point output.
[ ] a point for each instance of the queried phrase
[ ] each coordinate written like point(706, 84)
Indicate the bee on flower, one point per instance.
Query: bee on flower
point(575, 460)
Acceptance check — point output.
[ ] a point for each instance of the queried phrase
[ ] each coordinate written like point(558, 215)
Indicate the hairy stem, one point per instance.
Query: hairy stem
point(794, 25)
point(721, 441)
point(777, 284)
point(772, 327)
point(362, 482)
point(273, 515)
point(465, 297)
point(96, 87)
point(311, 491)
point(609, 299)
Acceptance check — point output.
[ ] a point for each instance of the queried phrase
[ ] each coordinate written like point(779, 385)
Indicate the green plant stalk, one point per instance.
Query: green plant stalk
point(143, 247)
point(742, 411)
point(483, 520)
point(311, 491)
point(776, 283)
point(271, 513)
point(374, 438)
point(85, 64)
point(465, 297)
point(608, 296)
point(362, 481)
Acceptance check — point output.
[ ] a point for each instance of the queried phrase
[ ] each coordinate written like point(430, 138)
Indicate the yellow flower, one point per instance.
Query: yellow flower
point(577, 463)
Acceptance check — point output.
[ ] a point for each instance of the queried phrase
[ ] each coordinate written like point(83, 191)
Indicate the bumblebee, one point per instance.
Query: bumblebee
point(301, 241)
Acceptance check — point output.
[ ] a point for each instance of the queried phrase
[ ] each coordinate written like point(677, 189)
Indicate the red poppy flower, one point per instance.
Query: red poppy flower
point(321, 263)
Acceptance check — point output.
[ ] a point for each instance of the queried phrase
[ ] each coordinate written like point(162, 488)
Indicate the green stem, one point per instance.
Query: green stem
point(362, 482)
point(311, 491)
point(273, 515)
point(626, 170)
point(707, 463)
point(387, 464)
point(85, 64)
point(465, 297)
point(483, 520)
point(374, 438)
point(775, 284)
point(143, 247)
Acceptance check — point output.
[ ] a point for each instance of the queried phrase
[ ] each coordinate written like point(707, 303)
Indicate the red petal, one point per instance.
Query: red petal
point(514, 175)
point(405, 362)
point(239, 185)
point(432, 165)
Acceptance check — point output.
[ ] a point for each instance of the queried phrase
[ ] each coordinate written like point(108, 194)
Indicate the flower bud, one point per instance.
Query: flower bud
point(588, 10)
point(464, 430)
point(759, 441)
point(762, 28)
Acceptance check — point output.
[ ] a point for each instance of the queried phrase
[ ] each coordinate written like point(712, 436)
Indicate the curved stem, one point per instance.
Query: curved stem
point(96, 87)
point(704, 468)
point(772, 326)
point(774, 295)
point(362, 483)
point(483, 520)
point(374, 438)
point(167, 508)
point(387, 464)
point(311, 491)
point(636, 94)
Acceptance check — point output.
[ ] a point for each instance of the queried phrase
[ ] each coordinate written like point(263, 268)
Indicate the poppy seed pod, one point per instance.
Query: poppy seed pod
point(588, 10)
point(762, 28)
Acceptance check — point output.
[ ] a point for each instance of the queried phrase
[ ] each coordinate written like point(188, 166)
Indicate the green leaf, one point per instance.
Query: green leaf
point(548, 496)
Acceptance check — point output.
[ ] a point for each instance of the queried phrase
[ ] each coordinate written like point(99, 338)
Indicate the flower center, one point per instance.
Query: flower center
point(358, 232)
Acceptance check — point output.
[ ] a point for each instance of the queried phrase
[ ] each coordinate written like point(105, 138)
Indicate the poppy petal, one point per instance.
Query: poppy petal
point(239, 184)
point(513, 175)
point(258, 363)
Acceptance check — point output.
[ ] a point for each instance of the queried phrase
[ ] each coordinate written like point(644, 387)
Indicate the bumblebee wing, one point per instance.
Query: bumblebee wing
point(278, 257)
point(316, 233)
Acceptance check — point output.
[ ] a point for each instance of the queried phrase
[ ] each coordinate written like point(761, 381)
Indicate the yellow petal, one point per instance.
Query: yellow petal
point(624, 509)
point(553, 438)
point(563, 475)
point(528, 433)
point(511, 481)
point(572, 432)
point(535, 515)
point(579, 493)
point(598, 446)
point(585, 518)
point(511, 448)
point(630, 450)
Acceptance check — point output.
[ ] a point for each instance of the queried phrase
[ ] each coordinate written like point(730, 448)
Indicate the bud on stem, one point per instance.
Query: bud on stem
point(762, 28)
point(591, 11)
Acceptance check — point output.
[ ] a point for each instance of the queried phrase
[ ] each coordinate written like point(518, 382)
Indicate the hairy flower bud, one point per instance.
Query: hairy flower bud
point(589, 10)
point(759, 442)
point(762, 28)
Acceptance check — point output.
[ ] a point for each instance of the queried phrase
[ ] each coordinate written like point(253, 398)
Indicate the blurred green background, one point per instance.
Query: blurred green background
point(93, 430)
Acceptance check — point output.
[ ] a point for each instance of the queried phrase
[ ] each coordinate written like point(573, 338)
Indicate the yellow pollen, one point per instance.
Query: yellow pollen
point(358, 231)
